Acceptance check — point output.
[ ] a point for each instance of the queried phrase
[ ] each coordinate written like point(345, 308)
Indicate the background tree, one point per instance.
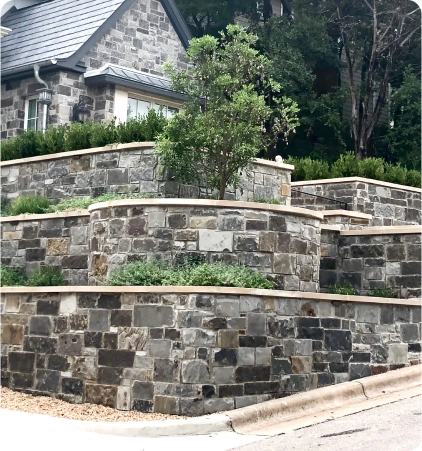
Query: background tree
point(375, 37)
point(226, 120)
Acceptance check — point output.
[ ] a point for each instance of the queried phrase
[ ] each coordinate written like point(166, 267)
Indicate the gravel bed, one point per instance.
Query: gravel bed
point(44, 405)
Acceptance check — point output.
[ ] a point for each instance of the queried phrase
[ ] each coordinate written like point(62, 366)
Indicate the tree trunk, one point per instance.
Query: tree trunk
point(222, 189)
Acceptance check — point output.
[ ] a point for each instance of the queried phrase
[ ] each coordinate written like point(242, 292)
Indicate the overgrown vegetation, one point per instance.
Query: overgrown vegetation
point(44, 276)
point(77, 136)
point(217, 139)
point(342, 288)
point(349, 165)
point(267, 201)
point(383, 293)
point(28, 205)
point(188, 274)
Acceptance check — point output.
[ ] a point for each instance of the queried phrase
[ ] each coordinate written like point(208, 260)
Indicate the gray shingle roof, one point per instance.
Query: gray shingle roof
point(54, 29)
point(64, 30)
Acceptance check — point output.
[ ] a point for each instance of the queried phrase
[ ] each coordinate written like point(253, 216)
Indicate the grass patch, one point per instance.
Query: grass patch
point(203, 274)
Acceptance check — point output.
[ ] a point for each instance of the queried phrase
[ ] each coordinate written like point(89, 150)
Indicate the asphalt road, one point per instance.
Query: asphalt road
point(393, 427)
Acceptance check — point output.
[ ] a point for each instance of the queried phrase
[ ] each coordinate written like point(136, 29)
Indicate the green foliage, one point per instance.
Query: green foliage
point(202, 274)
point(342, 288)
point(383, 293)
point(216, 140)
point(82, 203)
point(404, 138)
point(46, 276)
point(349, 165)
point(308, 169)
point(77, 136)
point(267, 201)
point(12, 277)
point(29, 205)
point(5, 206)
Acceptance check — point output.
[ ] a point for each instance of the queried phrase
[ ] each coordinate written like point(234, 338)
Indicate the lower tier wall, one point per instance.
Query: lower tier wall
point(183, 351)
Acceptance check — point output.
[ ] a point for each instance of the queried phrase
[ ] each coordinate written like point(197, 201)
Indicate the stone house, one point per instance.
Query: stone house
point(101, 56)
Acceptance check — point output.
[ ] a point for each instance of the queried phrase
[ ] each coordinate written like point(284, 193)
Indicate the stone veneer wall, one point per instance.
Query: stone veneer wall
point(193, 353)
point(388, 203)
point(281, 242)
point(380, 258)
point(128, 168)
point(60, 241)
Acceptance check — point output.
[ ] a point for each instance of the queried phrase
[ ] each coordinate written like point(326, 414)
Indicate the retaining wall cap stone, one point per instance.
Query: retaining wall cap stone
point(385, 230)
point(347, 213)
point(357, 179)
point(207, 203)
point(31, 217)
point(299, 295)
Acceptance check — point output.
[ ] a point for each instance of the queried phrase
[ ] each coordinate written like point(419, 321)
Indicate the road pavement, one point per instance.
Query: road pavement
point(393, 427)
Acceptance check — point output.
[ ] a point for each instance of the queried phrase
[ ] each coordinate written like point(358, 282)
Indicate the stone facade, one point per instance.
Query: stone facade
point(143, 39)
point(195, 353)
point(389, 204)
point(380, 261)
point(129, 168)
point(281, 242)
point(61, 242)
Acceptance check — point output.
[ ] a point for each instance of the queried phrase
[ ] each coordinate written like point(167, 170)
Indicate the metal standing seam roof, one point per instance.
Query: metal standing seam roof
point(65, 30)
point(131, 78)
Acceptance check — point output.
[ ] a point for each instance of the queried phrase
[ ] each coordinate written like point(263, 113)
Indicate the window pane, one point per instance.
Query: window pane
point(32, 109)
point(142, 108)
point(171, 111)
point(162, 108)
point(32, 124)
point(131, 108)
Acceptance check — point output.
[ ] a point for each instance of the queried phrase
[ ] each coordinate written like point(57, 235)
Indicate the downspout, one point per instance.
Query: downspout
point(45, 107)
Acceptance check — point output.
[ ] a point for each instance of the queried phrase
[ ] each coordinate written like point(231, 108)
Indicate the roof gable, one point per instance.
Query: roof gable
point(62, 31)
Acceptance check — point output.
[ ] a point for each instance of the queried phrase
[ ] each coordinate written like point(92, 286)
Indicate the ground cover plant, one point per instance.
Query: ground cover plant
point(43, 276)
point(342, 288)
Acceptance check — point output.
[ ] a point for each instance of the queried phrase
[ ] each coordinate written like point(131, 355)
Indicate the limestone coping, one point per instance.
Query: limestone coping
point(357, 179)
point(274, 164)
point(114, 147)
point(166, 202)
point(330, 228)
point(75, 153)
point(385, 230)
point(297, 295)
point(346, 213)
point(31, 217)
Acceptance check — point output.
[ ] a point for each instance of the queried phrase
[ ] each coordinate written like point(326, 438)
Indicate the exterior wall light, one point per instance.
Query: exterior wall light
point(81, 111)
point(44, 96)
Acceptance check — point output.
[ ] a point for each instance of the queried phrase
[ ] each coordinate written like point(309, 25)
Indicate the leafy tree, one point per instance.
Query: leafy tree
point(404, 138)
point(375, 37)
point(226, 120)
point(305, 61)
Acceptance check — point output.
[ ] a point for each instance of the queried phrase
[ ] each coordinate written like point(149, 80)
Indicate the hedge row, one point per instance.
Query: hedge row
point(77, 136)
point(349, 165)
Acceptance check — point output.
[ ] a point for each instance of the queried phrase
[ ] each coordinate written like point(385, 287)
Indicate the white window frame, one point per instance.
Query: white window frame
point(26, 118)
point(122, 99)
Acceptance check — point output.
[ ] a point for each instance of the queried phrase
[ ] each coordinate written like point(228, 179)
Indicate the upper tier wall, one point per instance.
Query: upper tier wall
point(388, 203)
point(128, 168)
point(279, 241)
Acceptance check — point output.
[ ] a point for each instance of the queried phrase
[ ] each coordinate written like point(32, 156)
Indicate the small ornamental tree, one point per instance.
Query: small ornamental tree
point(230, 114)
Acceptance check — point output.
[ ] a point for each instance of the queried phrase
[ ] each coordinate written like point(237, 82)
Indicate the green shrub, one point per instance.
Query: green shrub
point(267, 201)
point(22, 146)
point(372, 168)
point(46, 276)
point(53, 140)
point(28, 205)
point(395, 174)
point(413, 178)
point(348, 165)
point(144, 128)
point(82, 203)
point(383, 293)
point(308, 169)
point(78, 136)
point(202, 274)
point(12, 277)
point(103, 134)
point(5, 206)
point(342, 288)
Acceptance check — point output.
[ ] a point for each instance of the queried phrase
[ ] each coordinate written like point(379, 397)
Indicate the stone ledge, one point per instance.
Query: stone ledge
point(357, 179)
point(346, 213)
point(75, 153)
point(274, 164)
point(207, 203)
point(385, 230)
point(330, 228)
point(34, 217)
point(299, 295)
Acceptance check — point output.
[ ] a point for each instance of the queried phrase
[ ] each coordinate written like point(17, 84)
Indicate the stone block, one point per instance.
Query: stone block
point(246, 341)
point(57, 246)
point(40, 325)
point(22, 362)
point(227, 307)
point(228, 339)
point(153, 316)
point(116, 358)
point(166, 370)
point(203, 223)
point(47, 381)
point(409, 333)
point(256, 324)
point(224, 357)
point(246, 356)
point(252, 373)
point(12, 334)
point(68, 303)
point(267, 241)
point(44, 345)
point(99, 320)
point(191, 406)
point(246, 243)
point(338, 340)
point(195, 372)
point(284, 264)
point(259, 388)
point(359, 370)
point(123, 400)
point(159, 348)
point(143, 390)
point(210, 240)
point(301, 365)
point(368, 313)
point(218, 405)
point(397, 353)
point(262, 356)
point(70, 344)
point(73, 386)
point(101, 394)
point(280, 366)
point(198, 337)
point(215, 323)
